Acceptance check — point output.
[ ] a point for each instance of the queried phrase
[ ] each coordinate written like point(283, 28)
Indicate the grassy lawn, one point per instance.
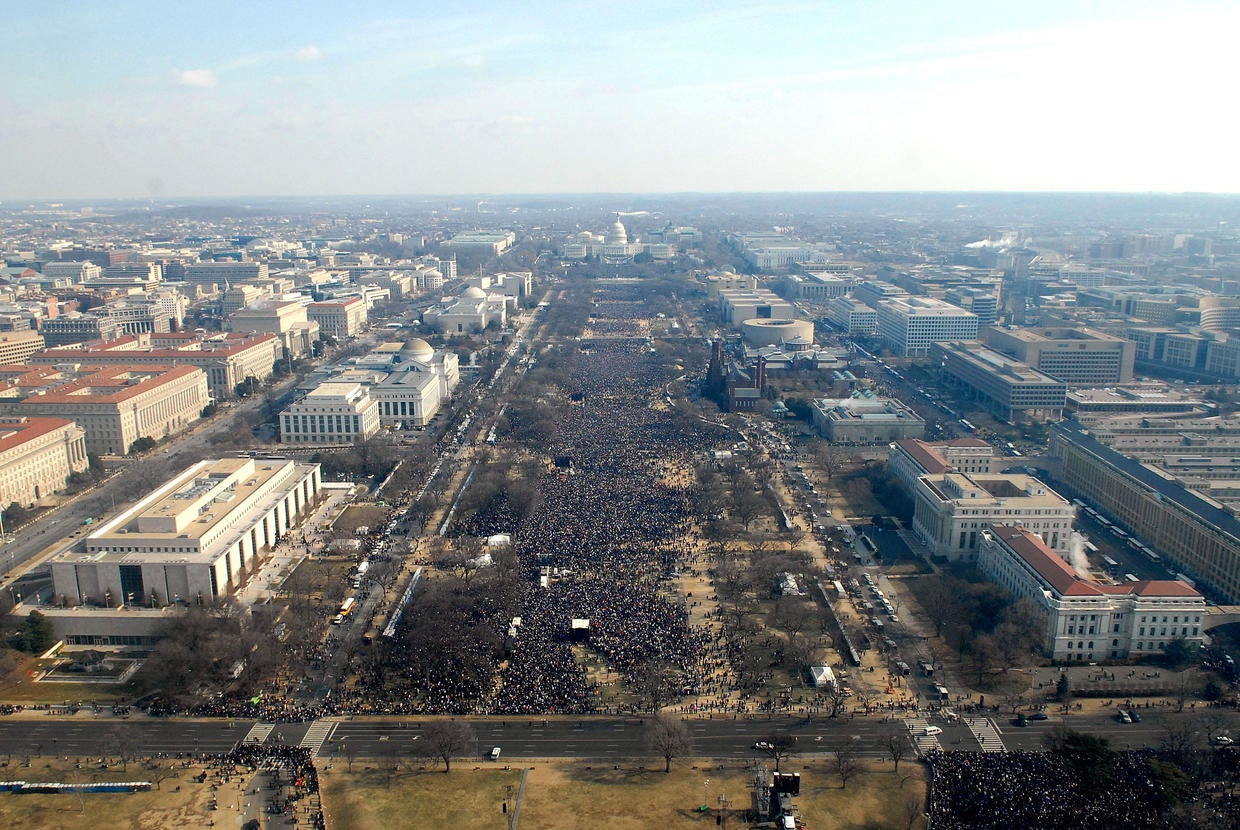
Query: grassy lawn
point(564, 795)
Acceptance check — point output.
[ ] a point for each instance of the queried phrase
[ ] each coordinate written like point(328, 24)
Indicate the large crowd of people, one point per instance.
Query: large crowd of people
point(1142, 789)
point(606, 527)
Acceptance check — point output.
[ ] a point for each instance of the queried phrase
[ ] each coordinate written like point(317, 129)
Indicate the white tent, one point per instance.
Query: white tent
point(822, 676)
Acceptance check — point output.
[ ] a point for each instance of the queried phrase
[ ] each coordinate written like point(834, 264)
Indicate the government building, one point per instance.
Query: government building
point(953, 510)
point(332, 414)
point(37, 456)
point(1084, 621)
point(191, 540)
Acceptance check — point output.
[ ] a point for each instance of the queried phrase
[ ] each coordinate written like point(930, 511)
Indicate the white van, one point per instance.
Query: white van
point(495, 752)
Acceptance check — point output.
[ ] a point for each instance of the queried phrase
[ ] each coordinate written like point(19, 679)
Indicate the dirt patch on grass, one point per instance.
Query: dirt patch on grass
point(359, 515)
point(370, 799)
point(180, 802)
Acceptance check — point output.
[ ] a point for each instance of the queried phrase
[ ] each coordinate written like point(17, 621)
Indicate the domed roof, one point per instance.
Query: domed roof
point(616, 234)
point(419, 349)
point(474, 293)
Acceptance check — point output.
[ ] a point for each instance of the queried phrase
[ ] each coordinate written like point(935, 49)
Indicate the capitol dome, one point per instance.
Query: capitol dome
point(419, 349)
point(616, 234)
point(475, 293)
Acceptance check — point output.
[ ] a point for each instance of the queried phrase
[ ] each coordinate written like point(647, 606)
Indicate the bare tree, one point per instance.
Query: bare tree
point(830, 459)
point(845, 762)
point(779, 745)
point(669, 737)
point(896, 744)
point(747, 506)
point(157, 772)
point(448, 739)
point(914, 809)
point(838, 699)
point(655, 682)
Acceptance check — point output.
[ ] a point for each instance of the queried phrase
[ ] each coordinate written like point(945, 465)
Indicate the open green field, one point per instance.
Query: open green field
point(570, 795)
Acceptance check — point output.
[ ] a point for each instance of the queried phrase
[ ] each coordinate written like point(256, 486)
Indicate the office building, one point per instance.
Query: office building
point(872, 292)
point(1007, 388)
point(16, 346)
point(737, 305)
point(221, 276)
point(339, 318)
point(1192, 533)
point(37, 456)
point(227, 360)
point(865, 419)
point(1076, 356)
point(74, 273)
point(117, 405)
point(852, 317)
point(984, 304)
point(488, 242)
point(193, 539)
point(953, 510)
point(286, 319)
point(1082, 620)
point(909, 325)
point(67, 329)
point(912, 458)
point(333, 414)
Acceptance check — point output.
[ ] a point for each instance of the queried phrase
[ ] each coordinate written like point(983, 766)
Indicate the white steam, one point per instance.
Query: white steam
point(1076, 555)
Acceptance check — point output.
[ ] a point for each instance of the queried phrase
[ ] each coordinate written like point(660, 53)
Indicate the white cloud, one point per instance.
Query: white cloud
point(203, 78)
point(309, 53)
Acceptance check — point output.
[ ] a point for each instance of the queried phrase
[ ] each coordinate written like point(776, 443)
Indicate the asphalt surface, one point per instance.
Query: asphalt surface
point(84, 735)
point(596, 739)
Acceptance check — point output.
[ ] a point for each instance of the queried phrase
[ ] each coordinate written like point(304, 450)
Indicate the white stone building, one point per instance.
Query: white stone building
point(193, 539)
point(1083, 620)
point(332, 413)
point(953, 510)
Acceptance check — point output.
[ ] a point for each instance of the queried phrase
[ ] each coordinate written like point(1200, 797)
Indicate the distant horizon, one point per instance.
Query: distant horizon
point(483, 97)
point(600, 194)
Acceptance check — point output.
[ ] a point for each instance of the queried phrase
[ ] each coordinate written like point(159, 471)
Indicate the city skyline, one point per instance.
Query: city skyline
point(277, 99)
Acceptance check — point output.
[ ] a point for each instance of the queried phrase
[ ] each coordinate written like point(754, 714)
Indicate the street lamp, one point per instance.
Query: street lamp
point(705, 802)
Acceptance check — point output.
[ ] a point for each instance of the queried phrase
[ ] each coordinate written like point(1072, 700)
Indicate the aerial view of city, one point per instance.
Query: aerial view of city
point(646, 416)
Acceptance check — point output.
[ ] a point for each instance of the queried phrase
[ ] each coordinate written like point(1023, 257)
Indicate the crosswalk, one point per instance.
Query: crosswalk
point(258, 733)
point(917, 730)
point(317, 735)
point(984, 730)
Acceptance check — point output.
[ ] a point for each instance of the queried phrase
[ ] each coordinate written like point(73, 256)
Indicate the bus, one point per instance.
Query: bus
point(1090, 546)
point(967, 426)
point(1110, 563)
point(346, 608)
point(1131, 578)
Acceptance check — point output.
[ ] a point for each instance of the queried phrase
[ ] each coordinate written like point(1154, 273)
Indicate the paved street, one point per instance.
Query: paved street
point(523, 738)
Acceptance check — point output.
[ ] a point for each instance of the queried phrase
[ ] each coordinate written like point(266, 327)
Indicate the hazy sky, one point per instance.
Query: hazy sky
point(219, 98)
